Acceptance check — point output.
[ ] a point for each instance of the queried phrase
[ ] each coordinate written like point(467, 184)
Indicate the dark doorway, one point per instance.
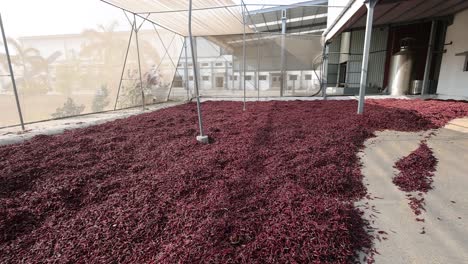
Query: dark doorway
point(342, 76)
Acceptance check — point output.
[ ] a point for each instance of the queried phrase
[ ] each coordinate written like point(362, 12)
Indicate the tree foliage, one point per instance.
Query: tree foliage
point(69, 108)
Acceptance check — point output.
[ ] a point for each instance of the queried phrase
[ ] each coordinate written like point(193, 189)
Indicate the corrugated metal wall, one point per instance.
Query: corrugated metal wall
point(333, 61)
point(377, 59)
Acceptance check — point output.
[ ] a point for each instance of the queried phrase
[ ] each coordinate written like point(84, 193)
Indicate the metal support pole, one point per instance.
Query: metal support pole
point(370, 4)
point(226, 75)
point(243, 57)
point(258, 69)
point(139, 63)
point(430, 51)
point(324, 83)
point(283, 55)
point(12, 75)
point(201, 138)
point(186, 75)
point(123, 67)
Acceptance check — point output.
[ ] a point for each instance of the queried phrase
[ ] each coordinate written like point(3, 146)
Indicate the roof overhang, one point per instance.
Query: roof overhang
point(301, 18)
point(389, 12)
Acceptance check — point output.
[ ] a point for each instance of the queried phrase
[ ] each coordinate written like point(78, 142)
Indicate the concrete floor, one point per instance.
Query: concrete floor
point(446, 231)
point(13, 135)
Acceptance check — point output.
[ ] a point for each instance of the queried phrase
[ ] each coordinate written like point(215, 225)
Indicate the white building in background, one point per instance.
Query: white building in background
point(220, 58)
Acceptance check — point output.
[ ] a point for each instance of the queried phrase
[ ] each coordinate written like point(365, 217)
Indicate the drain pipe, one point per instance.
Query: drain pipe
point(325, 70)
point(430, 51)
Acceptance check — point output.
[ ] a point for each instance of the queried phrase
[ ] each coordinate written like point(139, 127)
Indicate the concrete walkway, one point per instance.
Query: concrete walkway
point(445, 236)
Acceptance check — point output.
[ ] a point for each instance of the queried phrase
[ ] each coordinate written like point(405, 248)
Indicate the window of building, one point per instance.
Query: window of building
point(190, 64)
point(205, 64)
point(235, 77)
point(205, 78)
point(190, 78)
point(177, 81)
point(179, 64)
point(293, 77)
point(248, 77)
point(219, 64)
point(262, 77)
point(308, 77)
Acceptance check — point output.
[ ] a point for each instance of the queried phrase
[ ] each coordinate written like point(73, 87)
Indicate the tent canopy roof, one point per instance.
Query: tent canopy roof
point(209, 17)
point(224, 17)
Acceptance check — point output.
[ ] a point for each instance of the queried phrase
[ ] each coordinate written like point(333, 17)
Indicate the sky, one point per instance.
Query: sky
point(50, 17)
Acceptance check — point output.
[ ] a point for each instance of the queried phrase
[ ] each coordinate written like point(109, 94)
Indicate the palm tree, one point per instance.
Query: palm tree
point(45, 67)
point(103, 43)
point(103, 48)
point(29, 60)
point(107, 47)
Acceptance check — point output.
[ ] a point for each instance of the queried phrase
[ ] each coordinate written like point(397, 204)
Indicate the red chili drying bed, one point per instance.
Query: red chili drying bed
point(277, 184)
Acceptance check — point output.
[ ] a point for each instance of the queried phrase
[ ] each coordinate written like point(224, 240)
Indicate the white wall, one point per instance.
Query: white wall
point(453, 80)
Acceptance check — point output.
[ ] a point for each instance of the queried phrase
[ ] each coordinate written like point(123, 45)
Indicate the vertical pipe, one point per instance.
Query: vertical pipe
point(123, 67)
point(324, 80)
point(226, 73)
point(258, 69)
point(243, 57)
point(365, 59)
point(139, 64)
point(283, 56)
point(186, 75)
point(300, 80)
point(195, 74)
point(12, 74)
point(430, 51)
point(232, 76)
point(213, 75)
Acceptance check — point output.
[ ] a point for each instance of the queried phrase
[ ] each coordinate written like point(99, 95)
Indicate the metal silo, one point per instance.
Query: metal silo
point(402, 68)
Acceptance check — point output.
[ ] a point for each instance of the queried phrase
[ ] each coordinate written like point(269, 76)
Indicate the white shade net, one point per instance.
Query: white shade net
point(209, 17)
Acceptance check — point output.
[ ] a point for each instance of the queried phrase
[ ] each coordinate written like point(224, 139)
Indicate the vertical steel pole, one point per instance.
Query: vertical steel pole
point(283, 47)
point(139, 63)
point(123, 67)
point(226, 73)
point(243, 57)
point(232, 76)
point(430, 51)
point(258, 69)
point(365, 57)
point(324, 83)
point(186, 75)
point(12, 75)
point(202, 138)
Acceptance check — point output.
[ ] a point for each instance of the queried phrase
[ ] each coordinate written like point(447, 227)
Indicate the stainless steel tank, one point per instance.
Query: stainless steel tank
point(416, 87)
point(401, 69)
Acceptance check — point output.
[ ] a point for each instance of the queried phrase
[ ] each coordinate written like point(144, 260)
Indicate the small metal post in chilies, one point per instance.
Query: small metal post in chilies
point(201, 138)
point(243, 57)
